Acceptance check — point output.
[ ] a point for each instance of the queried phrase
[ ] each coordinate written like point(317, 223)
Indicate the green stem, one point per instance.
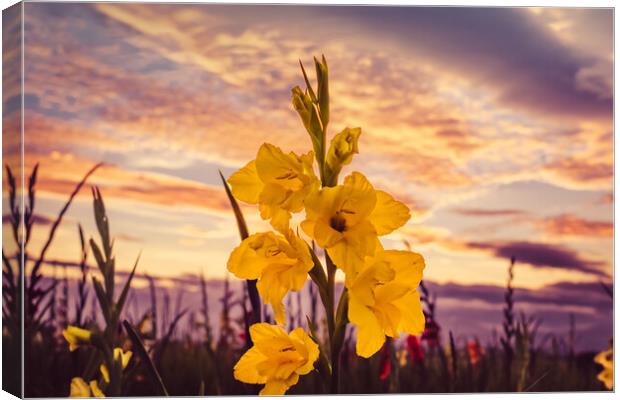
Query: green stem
point(329, 307)
point(338, 339)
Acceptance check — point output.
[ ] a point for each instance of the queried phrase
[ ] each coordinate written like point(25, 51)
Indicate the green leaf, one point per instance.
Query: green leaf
point(123, 296)
point(103, 299)
point(324, 366)
point(144, 356)
point(98, 257)
point(243, 232)
point(308, 85)
point(101, 220)
point(243, 228)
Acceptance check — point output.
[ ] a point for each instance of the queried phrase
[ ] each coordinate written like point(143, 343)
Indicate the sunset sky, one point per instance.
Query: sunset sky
point(493, 125)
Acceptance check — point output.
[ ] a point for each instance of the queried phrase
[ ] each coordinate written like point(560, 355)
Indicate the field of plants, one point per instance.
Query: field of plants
point(275, 331)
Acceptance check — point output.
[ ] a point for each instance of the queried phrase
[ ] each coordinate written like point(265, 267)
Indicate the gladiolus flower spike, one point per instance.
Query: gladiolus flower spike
point(346, 220)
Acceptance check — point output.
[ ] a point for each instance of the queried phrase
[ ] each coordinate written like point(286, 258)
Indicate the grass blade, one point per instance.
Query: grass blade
point(243, 231)
point(150, 367)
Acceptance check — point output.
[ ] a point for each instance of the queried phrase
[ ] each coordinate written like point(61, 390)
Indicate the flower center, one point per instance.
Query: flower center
point(289, 175)
point(272, 251)
point(338, 223)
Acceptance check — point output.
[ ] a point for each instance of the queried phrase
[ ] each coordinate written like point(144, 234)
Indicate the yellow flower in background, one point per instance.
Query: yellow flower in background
point(341, 150)
point(79, 388)
point(280, 263)
point(276, 359)
point(277, 182)
point(606, 360)
point(383, 299)
point(94, 388)
point(120, 355)
point(346, 220)
point(76, 336)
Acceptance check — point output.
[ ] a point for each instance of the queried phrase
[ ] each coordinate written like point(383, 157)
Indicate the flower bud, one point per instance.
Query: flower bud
point(341, 151)
point(323, 89)
point(308, 113)
point(76, 336)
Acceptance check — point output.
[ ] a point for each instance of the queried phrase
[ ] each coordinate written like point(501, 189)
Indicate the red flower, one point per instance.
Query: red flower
point(474, 351)
point(386, 364)
point(416, 352)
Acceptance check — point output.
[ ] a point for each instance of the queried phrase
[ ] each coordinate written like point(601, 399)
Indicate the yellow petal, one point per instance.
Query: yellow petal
point(95, 389)
point(244, 261)
point(370, 335)
point(245, 184)
point(272, 194)
point(273, 291)
point(325, 235)
point(123, 356)
point(311, 350)
point(281, 365)
point(390, 291)
point(412, 317)
point(349, 254)
point(388, 214)
point(607, 377)
point(79, 388)
point(359, 198)
point(269, 338)
point(76, 336)
point(280, 220)
point(300, 249)
point(274, 388)
point(273, 166)
point(345, 257)
point(363, 287)
point(245, 369)
point(389, 317)
point(605, 358)
point(407, 264)
point(104, 373)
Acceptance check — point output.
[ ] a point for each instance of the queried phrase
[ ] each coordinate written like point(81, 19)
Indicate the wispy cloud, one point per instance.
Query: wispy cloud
point(479, 212)
point(570, 225)
point(455, 105)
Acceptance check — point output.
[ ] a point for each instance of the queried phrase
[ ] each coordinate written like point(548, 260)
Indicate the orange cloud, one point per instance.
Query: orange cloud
point(60, 173)
point(570, 225)
point(479, 212)
point(574, 172)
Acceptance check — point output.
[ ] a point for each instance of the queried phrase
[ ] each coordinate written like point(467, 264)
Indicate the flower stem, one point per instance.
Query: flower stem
point(336, 323)
point(329, 307)
point(338, 339)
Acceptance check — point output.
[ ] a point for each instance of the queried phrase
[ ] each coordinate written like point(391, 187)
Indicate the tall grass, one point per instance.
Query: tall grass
point(192, 359)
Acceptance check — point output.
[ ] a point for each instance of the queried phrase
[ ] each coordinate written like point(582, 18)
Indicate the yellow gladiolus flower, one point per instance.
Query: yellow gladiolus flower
point(120, 355)
point(76, 336)
point(383, 299)
point(280, 263)
point(606, 359)
point(276, 359)
point(341, 151)
point(79, 388)
point(94, 388)
point(346, 220)
point(277, 182)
